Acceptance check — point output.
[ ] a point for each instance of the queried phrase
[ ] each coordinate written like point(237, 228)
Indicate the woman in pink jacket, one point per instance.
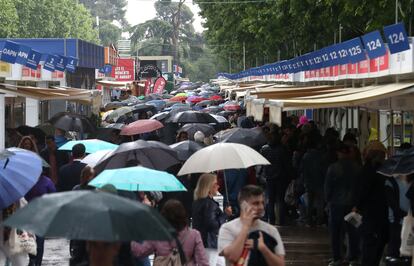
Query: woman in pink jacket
point(190, 239)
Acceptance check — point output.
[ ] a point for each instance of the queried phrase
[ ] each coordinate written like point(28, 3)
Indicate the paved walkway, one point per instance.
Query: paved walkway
point(306, 246)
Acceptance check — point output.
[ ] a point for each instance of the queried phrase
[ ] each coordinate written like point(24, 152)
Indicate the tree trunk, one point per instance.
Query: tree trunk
point(176, 20)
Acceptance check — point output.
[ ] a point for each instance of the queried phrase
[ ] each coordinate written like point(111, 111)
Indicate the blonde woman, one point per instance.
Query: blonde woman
point(208, 217)
point(28, 143)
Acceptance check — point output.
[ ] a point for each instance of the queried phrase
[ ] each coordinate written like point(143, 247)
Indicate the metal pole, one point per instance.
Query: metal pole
point(396, 11)
point(340, 33)
point(244, 56)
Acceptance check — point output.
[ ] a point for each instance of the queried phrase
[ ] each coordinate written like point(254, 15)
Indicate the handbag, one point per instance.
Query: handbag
point(21, 241)
point(407, 235)
point(175, 258)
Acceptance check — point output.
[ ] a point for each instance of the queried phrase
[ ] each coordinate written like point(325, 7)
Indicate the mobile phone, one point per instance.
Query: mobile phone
point(244, 206)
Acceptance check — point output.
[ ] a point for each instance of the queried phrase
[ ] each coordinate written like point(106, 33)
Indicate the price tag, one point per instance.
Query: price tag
point(396, 37)
point(373, 44)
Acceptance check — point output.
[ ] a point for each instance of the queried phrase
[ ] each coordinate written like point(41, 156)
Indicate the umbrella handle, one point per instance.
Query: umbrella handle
point(225, 188)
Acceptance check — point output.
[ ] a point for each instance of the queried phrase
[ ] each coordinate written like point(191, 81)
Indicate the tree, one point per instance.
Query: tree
point(109, 33)
point(286, 28)
point(54, 19)
point(110, 10)
point(8, 18)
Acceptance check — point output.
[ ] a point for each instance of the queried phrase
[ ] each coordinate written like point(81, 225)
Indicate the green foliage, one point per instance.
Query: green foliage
point(109, 33)
point(287, 28)
point(48, 19)
point(110, 10)
point(8, 18)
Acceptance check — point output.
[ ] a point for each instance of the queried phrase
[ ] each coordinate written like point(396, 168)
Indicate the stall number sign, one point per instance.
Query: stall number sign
point(23, 55)
point(374, 45)
point(50, 63)
point(396, 38)
point(33, 59)
point(71, 64)
point(61, 63)
point(9, 52)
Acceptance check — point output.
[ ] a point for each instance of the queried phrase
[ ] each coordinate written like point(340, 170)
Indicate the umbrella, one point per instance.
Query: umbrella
point(117, 126)
point(93, 158)
point(186, 148)
point(19, 172)
point(220, 119)
point(212, 109)
point(159, 104)
point(160, 116)
point(191, 129)
point(105, 115)
point(250, 137)
point(231, 106)
point(192, 117)
point(402, 164)
point(35, 131)
point(216, 98)
point(91, 145)
point(141, 126)
point(91, 215)
point(222, 156)
point(143, 107)
point(178, 98)
point(114, 105)
point(47, 128)
point(72, 122)
point(195, 99)
point(205, 103)
point(138, 178)
point(116, 114)
point(226, 113)
point(151, 154)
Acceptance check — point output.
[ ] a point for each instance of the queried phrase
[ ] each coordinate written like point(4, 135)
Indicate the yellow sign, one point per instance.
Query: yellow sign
point(5, 70)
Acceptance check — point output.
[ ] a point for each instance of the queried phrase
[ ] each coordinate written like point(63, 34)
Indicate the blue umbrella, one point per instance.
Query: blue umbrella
point(138, 178)
point(91, 145)
point(19, 171)
point(159, 104)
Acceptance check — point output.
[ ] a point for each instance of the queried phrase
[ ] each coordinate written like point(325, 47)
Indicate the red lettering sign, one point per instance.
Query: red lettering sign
point(159, 85)
point(125, 70)
point(363, 67)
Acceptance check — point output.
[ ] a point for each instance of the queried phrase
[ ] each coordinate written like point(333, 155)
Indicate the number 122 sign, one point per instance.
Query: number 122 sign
point(396, 38)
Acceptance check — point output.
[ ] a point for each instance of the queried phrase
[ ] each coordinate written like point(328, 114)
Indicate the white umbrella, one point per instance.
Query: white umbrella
point(220, 119)
point(93, 158)
point(222, 156)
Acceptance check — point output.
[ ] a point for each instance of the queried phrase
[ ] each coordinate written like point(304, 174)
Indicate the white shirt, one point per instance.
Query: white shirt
point(229, 232)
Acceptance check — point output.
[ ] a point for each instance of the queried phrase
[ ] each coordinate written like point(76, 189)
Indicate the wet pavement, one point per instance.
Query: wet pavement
point(56, 252)
point(304, 246)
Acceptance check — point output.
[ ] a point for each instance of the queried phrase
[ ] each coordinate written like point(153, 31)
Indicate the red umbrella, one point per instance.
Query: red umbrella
point(141, 126)
point(216, 98)
point(231, 107)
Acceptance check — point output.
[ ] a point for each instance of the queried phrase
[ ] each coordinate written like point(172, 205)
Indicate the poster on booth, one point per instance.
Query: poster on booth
point(148, 84)
point(159, 85)
point(125, 70)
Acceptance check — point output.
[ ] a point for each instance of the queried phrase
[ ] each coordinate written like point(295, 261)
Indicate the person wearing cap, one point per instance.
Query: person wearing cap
point(341, 184)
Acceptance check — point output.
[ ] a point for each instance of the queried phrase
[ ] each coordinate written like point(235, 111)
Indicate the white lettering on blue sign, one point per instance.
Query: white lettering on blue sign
point(9, 52)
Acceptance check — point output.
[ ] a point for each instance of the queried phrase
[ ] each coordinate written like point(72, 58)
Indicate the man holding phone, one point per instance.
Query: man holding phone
point(248, 240)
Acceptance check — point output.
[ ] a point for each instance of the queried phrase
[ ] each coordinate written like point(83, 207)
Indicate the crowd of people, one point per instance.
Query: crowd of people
point(314, 180)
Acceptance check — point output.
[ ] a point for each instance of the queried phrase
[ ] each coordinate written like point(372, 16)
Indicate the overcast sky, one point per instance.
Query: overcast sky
point(139, 11)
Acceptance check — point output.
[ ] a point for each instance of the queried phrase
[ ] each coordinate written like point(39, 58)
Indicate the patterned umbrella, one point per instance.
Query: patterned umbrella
point(141, 126)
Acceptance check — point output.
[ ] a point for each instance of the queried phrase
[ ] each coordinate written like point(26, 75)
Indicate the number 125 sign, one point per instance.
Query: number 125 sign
point(396, 37)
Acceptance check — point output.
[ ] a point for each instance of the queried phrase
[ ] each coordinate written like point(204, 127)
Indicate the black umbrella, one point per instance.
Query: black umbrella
point(226, 114)
point(36, 132)
point(212, 109)
point(205, 103)
point(117, 126)
point(250, 137)
point(192, 117)
point(186, 148)
point(72, 122)
point(143, 107)
point(150, 154)
point(402, 164)
point(91, 215)
point(191, 129)
point(114, 105)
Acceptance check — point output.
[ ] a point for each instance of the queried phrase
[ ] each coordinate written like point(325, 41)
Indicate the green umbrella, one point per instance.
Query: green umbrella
point(91, 215)
point(138, 178)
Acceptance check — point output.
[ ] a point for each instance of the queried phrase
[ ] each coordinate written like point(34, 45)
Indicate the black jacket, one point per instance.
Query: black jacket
point(207, 219)
point(62, 157)
point(69, 176)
